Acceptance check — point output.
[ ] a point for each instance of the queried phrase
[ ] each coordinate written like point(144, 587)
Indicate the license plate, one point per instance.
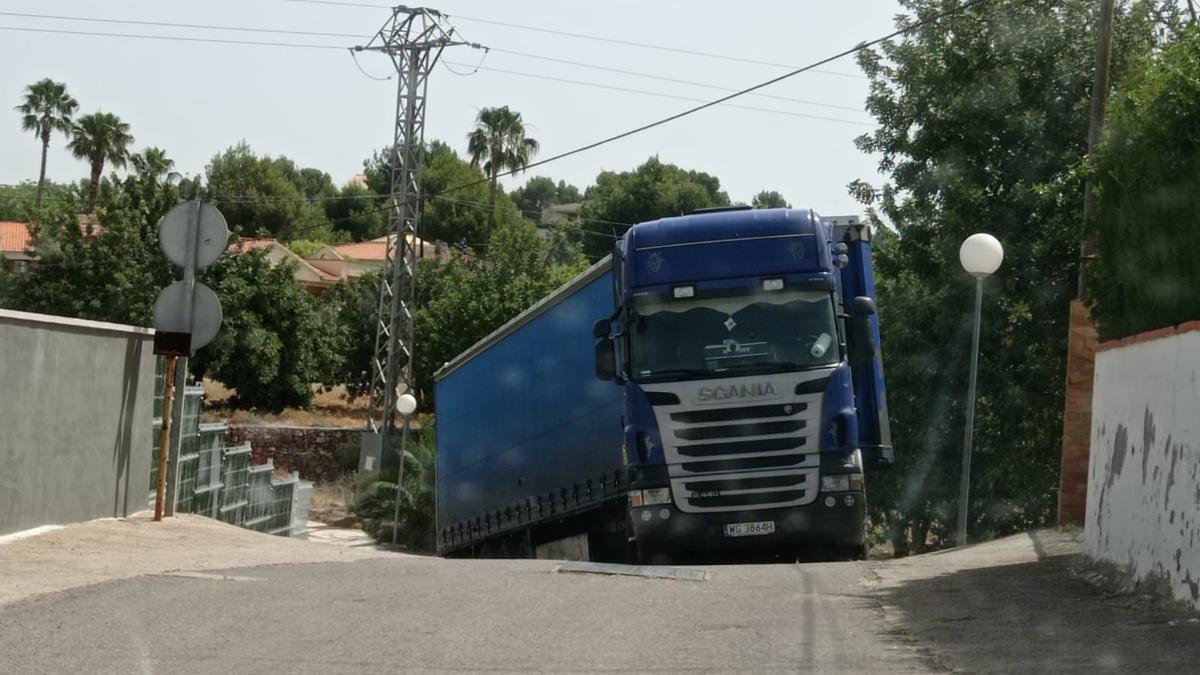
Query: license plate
point(750, 529)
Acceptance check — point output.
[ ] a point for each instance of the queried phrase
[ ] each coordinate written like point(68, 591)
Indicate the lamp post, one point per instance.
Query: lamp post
point(980, 255)
point(406, 405)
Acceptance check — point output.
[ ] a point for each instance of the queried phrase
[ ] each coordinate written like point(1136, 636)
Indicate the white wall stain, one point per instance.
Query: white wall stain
point(1143, 508)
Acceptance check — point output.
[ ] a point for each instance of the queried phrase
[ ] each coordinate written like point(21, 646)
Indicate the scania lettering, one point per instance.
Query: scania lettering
point(711, 390)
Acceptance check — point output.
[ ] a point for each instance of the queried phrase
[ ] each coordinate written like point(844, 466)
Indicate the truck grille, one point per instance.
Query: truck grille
point(732, 457)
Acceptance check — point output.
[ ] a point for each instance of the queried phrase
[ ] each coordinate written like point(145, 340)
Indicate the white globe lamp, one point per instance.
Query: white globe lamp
point(406, 404)
point(981, 255)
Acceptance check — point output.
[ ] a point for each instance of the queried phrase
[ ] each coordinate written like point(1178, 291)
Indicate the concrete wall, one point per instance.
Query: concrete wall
point(1143, 506)
point(76, 405)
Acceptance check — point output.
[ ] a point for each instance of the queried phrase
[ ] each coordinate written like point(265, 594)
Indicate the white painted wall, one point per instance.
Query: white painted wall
point(1143, 506)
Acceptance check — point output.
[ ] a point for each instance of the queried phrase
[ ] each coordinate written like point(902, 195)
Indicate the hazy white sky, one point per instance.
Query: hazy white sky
point(314, 105)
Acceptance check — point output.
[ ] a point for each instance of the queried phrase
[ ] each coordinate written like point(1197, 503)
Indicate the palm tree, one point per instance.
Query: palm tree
point(498, 143)
point(47, 108)
point(101, 137)
point(152, 163)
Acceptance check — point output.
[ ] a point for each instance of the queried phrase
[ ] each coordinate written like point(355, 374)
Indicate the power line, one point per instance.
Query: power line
point(173, 38)
point(663, 78)
point(168, 24)
point(659, 94)
point(690, 111)
point(646, 45)
point(596, 38)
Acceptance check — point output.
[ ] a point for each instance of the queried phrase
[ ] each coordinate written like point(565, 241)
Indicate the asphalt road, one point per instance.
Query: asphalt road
point(1012, 606)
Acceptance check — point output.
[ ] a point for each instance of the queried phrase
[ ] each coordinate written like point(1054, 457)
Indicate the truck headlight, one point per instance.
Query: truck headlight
point(838, 483)
point(649, 497)
point(654, 496)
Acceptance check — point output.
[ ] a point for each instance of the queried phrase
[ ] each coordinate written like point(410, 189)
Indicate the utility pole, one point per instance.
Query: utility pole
point(1096, 132)
point(1081, 334)
point(413, 38)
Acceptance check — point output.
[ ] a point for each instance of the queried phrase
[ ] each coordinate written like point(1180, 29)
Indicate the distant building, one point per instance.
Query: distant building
point(560, 214)
point(16, 241)
point(313, 279)
point(350, 261)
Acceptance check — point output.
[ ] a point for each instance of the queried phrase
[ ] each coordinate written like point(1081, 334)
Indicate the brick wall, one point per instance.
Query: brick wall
point(1077, 416)
point(311, 451)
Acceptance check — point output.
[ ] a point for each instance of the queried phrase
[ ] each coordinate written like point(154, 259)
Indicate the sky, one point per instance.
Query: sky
point(321, 109)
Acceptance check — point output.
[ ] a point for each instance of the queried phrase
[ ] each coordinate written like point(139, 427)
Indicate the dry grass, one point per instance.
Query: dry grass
point(332, 502)
point(330, 409)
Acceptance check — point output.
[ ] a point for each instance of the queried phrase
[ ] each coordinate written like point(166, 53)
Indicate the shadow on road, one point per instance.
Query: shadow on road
point(1037, 617)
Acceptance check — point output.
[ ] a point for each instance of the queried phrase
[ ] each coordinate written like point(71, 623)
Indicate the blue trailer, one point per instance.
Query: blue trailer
point(748, 400)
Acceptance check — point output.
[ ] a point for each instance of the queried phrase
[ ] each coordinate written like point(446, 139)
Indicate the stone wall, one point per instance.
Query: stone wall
point(314, 452)
point(1143, 506)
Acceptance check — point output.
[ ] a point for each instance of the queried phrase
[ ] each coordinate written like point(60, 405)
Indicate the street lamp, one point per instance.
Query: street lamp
point(406, 405)
point(980, 255)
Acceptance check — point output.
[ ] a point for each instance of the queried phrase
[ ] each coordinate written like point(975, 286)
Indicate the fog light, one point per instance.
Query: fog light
point(664, 514)
point(684, 292)
point(646, 515)
point(772, 284)
point(838, 483)
point(830, 502)
point(849, 500)
point(655, 496)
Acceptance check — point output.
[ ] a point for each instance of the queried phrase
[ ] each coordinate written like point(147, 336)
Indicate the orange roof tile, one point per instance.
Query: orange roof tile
point(252, 243)
point(15, 237)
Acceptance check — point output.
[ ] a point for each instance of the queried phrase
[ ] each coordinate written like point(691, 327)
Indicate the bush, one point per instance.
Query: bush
point(1147, 175)
point(375, 497)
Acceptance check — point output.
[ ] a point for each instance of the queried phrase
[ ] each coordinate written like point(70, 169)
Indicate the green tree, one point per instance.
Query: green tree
point(541, 192)
point(98, 138)
point(47, 108)
point(983, 119)
point(357, 212)
point(651, 191)
point(274, 341)
point(450, 214)
point(498, 144)
point(265, 195)
point(769, 199)
point(1148, 183)
point(19, 202)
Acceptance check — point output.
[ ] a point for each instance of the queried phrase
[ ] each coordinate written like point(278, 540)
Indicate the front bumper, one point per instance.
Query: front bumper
point(664, 528)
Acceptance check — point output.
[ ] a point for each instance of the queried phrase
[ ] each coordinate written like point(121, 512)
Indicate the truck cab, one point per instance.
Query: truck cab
point(745, 344)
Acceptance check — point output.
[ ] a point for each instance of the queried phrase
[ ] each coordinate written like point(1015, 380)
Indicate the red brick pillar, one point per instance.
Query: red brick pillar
point(1077, 417)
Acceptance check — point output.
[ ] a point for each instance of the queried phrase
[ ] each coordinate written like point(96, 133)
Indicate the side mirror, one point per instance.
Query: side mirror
point(864, 306)
point(602, 328)
point(606, 359)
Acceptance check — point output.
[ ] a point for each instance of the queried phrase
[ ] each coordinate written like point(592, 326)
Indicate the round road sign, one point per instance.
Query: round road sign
point(206, 313)
point(175, 228)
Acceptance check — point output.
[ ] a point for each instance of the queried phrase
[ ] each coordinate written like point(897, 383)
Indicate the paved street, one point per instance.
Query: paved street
point(972, 610)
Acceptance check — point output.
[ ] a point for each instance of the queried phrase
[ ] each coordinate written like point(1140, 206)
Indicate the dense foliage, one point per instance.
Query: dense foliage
point(983, 120)
point(652, 190)
point(1148, 183)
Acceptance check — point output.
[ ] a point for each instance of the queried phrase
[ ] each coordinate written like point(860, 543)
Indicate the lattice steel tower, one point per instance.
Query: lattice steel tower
point(413, 38)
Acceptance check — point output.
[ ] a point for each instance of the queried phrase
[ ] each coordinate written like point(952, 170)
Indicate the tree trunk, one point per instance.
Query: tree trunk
point(42, 173)
point(94, 188)
point(492, 210)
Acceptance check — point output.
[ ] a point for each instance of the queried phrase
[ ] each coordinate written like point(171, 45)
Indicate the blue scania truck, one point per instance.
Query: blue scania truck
point(712, 390)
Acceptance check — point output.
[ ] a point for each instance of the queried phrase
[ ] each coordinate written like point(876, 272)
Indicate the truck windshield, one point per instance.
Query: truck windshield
point(765, 332)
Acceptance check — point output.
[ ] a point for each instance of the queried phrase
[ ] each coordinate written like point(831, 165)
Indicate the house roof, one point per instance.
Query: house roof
point(376, 249)
point(268, 243)
point(15, 237)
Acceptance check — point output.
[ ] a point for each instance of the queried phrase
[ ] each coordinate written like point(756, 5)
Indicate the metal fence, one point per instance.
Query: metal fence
point(219, 482)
